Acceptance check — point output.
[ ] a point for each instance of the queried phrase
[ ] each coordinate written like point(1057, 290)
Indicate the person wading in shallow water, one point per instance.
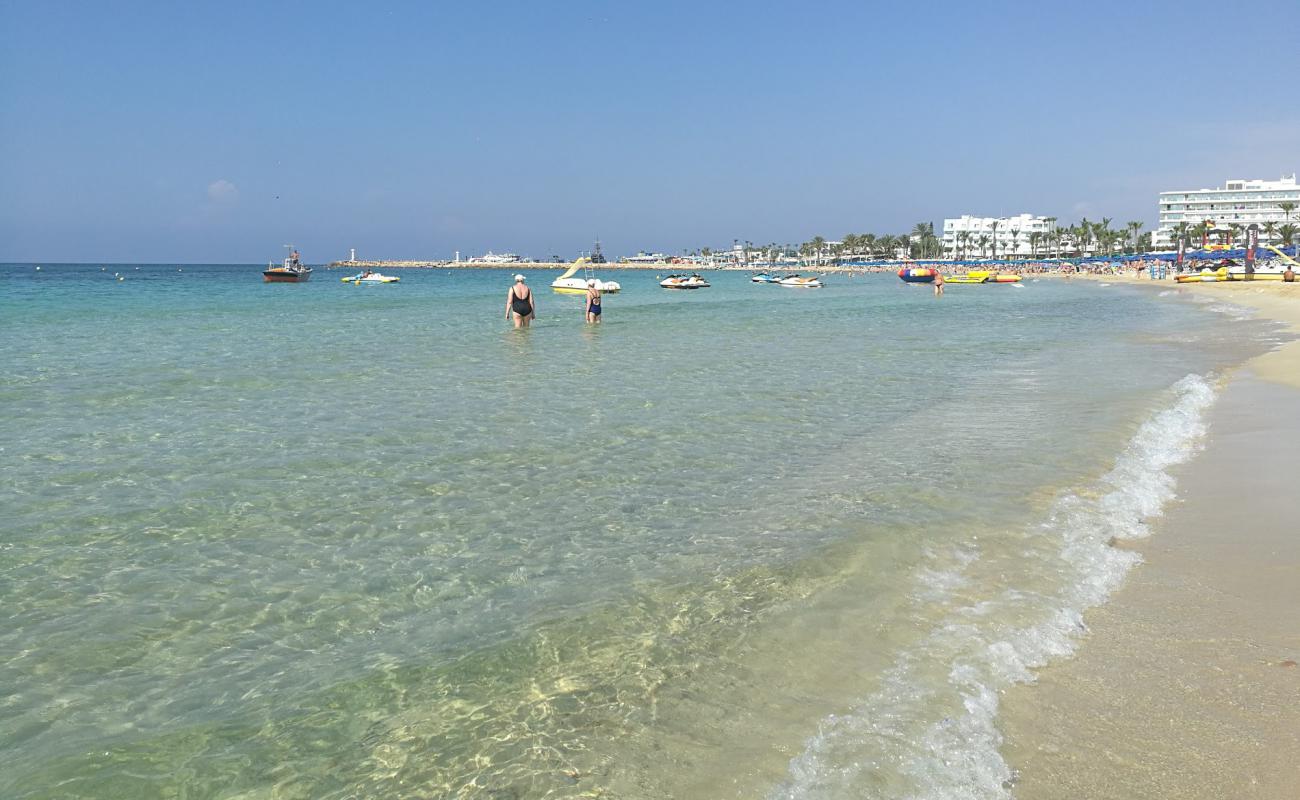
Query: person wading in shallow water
point(519, 302)
point(938, 283)
point(593, 302)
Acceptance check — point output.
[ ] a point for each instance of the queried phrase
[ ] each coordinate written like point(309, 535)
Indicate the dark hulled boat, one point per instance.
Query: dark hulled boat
point(292, 271)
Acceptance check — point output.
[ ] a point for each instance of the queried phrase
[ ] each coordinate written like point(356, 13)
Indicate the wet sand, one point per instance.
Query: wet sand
point(1187, 685)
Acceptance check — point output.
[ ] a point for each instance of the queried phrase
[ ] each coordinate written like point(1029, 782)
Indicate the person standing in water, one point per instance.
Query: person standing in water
point(593, 302)
point(519, 303)
point(938, 283)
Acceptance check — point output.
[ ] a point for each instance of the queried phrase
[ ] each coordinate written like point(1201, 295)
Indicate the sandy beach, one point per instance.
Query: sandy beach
point(1187, 683)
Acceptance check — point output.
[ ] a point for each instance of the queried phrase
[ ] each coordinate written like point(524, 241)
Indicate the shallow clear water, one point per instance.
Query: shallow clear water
point(326, 540)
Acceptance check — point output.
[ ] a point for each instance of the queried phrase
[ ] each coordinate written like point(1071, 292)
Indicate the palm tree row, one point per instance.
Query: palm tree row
point(1082, 238)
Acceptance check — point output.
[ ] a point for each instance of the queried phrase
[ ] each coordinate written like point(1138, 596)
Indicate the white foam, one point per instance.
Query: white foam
point(924, 734)
point(1235, 311)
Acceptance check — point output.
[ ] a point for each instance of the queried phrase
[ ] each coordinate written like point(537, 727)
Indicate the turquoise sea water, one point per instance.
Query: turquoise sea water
point(330, 541)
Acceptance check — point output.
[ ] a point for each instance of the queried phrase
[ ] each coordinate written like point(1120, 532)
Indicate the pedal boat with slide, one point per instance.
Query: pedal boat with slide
point(567, 284)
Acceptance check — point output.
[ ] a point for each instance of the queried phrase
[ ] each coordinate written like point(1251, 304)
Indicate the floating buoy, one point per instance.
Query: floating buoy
point(917, 274)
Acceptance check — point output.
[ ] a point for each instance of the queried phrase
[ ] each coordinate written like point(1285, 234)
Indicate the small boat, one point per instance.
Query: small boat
point(684, 282)
point(764, 277)
point(567, 284)
point(370, 277)
point(801, 282)
point(291, 271)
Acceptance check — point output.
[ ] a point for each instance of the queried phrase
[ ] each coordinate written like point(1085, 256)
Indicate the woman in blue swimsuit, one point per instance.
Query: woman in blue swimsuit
point(593, 302)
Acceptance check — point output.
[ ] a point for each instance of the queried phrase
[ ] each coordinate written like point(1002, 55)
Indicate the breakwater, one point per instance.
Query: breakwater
point(479, 265)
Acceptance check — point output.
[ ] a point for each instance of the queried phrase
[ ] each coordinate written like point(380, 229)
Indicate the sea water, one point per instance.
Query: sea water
point(332, 541)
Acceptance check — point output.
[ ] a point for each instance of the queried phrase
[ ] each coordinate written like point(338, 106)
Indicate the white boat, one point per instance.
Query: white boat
point(684, 282)
point(646, 258)
point(371, 277)
point(801, 282)
point(568, 284)
point(495, 258)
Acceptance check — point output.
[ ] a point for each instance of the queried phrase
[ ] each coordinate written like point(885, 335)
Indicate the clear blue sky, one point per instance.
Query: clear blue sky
point(218, 131)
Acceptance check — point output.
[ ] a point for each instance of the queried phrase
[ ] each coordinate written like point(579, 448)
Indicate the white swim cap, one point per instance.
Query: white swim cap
point(520, 278)
point(591, 282)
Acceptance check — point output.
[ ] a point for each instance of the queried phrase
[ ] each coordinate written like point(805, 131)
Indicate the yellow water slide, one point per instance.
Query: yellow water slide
point(1288, 259)
point(577, 265)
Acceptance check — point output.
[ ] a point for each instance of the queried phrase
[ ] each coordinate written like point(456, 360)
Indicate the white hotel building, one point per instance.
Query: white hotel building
point(1238, 202)
point(1011, 235)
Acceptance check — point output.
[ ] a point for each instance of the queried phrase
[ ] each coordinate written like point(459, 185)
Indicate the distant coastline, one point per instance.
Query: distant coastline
point(659, 265)
point(480, 265)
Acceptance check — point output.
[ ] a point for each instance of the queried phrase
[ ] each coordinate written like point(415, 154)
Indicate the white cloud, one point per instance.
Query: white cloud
point(223, 192)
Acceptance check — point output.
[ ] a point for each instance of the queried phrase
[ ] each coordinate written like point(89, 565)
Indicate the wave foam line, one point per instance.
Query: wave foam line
point(939, 738)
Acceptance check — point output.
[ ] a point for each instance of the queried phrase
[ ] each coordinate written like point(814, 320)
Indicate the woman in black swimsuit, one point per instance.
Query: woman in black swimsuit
point(519, 302)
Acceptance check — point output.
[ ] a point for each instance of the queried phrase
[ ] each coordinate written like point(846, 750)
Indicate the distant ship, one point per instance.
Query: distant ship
point(496, 258)
point(596, 256)
point(643, 257)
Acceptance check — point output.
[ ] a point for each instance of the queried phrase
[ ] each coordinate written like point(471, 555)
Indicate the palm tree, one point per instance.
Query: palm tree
point(885, 245)
point(1034, 236)
point(818, 243)
point(848, 243)
point(1270, 230)
point(983, 242)
point(1287, 208)
point(1051, 226)
point(1083, 234)
point(1288, 232)
point(1103, 233)
point(1180, 233)
point(1133, 228)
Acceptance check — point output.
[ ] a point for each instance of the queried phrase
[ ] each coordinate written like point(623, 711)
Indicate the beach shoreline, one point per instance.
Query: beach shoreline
point(1185, 684)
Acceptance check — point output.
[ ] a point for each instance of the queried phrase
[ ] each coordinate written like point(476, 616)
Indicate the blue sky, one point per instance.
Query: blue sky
point(216, 132)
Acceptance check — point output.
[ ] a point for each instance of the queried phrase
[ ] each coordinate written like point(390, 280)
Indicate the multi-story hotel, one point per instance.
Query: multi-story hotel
point(980, 237)
point(1238, 202)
